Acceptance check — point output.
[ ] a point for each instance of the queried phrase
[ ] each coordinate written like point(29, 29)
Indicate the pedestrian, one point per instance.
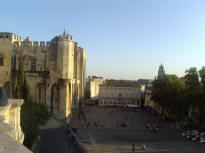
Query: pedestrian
point(143, 147)
point(88, 124)
point(133, 147)
point(102, 124)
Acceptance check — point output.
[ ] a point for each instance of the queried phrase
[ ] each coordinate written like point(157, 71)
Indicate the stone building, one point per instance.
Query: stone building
point(148, 98)
point(120, 93)
point(95, 82)
point(55, 70)
point(161, 71)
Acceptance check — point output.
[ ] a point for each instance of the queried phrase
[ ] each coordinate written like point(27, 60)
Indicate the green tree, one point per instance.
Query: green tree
point(201, 103)
point(191, 77)
point(195, 92)
point(177, 96)
point(32, 114)
point(168, 93)
point(193, 89)
point(202, 75)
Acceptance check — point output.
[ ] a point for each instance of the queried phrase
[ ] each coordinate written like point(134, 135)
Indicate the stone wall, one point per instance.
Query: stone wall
point(11, 135)
point(148, 101)
point(94, 88)
point(5, 55)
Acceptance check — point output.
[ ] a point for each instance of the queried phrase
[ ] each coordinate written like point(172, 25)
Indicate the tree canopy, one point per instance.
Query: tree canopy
point(178, 96)
point(167, 92)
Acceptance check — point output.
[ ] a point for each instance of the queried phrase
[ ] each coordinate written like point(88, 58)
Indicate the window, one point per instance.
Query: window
point(39, 92)
point(1, 61)
point(33, 65)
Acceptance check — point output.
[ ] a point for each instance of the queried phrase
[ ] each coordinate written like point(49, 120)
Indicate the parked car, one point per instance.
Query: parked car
point(202, 140)
point(186, 133)
point(202, 134)
point(194, 132)
point(196, 137)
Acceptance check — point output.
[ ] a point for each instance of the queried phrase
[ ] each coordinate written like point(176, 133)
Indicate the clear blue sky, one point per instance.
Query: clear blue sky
point(124, 39)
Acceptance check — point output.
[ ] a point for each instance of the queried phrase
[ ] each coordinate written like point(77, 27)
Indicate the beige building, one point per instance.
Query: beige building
point(95, 82)
point(148, 98)
point(120, 93)
point(55, 70)
point(149, 102)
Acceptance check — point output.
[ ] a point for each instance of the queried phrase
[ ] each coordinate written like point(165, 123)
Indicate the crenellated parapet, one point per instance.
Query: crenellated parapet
point(10, 36)
point(34, 44)
point(5, 35)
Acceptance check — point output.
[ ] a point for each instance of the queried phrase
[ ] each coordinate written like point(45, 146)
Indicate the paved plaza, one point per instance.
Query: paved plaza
point(114, 139)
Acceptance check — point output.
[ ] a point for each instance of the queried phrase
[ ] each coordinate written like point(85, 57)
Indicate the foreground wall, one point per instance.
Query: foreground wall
point(11, 135)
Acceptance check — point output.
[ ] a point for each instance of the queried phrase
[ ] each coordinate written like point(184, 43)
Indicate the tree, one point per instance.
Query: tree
point(202, 75)
point(201, 102)
point(167, 92)
point(177, 96)
point(191, 77)
point(192, 92)
point(32, 114)
point(195, 92)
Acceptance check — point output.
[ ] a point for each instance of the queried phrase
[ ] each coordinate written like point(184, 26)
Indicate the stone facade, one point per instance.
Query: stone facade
point(150, 103)
point(95, 82)
point(148, 99)
point(10, 114)
point(120, 94)
point(11, 135)
point(55, 70)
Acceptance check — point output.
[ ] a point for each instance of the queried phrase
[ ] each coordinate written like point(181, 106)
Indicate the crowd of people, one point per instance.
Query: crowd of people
point(154, 127)
point(95, 124)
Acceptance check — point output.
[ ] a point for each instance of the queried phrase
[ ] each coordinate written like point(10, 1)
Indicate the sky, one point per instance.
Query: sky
point(124, 39)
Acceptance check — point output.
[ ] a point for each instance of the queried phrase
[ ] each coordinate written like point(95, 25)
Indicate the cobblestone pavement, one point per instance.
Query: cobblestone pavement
point(54, 139)
point(111, 139)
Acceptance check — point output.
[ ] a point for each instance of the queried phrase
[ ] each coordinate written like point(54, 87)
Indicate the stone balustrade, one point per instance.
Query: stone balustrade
point(11, 135)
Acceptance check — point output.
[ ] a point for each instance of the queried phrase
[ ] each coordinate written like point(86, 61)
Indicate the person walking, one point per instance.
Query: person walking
point(143, 147)
point(133, 147)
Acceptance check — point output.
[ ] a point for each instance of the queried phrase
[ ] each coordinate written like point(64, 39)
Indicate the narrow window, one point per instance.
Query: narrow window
point(33, 65)
point(1, 61)
point(39, 92)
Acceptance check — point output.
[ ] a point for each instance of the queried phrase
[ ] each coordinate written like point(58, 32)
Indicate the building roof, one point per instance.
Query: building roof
point(120, 83)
